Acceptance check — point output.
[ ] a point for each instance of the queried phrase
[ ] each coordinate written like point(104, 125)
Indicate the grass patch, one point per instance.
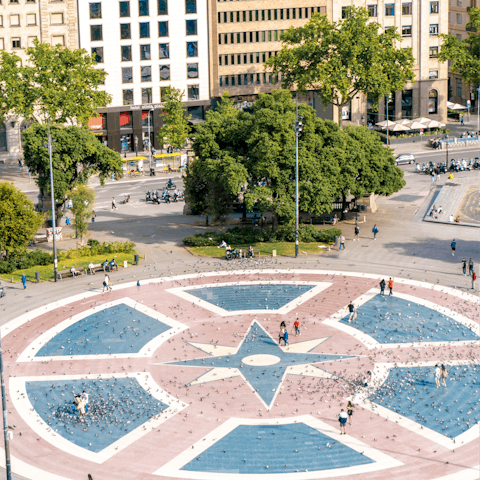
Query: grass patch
point(47, 271)
point(282, 248)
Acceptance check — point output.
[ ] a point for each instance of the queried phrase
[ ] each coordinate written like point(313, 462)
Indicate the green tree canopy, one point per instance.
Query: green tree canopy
point(175, 128)
point(256, 152)
point(464, 54)
point(55, 84)
point(341, 59)
point(76, 155)
point(18, 220)
point(83, 199)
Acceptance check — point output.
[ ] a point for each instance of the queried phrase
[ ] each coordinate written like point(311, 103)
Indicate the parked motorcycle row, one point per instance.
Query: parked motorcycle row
point(156, 197)
point(455, 166)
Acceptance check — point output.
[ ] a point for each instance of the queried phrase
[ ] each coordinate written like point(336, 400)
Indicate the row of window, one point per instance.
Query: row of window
point(193, 93)
point(95, 8)
point(16, 42)
point(407, 30)
point(127, 73)
point(96, 31)
point(244, 58)
point(407, 9)
point(31, 19)
point(248, 79)
point(249, 37)
point(266, 15)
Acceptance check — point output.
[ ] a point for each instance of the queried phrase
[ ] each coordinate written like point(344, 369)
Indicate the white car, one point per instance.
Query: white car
point(404, 158)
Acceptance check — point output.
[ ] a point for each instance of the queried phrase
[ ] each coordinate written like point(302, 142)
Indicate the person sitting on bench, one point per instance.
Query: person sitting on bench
point(73, 271)
point(250, 251)
point(113, 264)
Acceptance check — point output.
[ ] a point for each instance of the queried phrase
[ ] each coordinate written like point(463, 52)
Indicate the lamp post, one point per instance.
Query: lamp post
point(150, 110)
point(478, 112)
point(446, 138)
point(298, 129)
point(5, 422)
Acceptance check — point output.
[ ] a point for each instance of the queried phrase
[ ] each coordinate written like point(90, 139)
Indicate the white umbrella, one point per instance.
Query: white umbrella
point(416, 125)
point(404, 121)
point(385, 123)
point(455, 106)
point(432, 124)
point(397, 127)
point(421, 120)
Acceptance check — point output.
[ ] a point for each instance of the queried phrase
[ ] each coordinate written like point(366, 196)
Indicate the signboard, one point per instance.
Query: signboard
point(469, 104)
point(421, 131)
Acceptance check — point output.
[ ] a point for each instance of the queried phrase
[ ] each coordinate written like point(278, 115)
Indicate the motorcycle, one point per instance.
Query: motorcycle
point(170, 185)
point(126, 199)
point(152, 197)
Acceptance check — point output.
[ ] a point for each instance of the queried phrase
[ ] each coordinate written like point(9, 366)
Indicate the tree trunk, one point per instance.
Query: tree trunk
point(344, 206)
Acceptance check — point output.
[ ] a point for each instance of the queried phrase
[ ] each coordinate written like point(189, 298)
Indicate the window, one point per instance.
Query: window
point(190, 6)
point(459, 87)
point(164, 72)
point(14, 20)
point(197, 113)
point(407, 31)
point(163, 50)
point(127, 100)
point(192, 70)
point(163, 29)
point(16, 43)
point(97, 53)
point(124, 9)
point(125, 31)
point(406, 8)
point(28, 1)
point(344, 12)
point(191, 27)
point(56, 19)
point(95, 10)
point(433, 74)
point(459, 3)
point(146, 74)
point(193, 92)
point(389, 10)
point(96, 33)
point(192, 49)
point(163, 92)
point(433, 102)
point(1, 20)
point(56, 40)
point(407, 101)
point(2, 44)
point(144, 30)
point(146, 95)
point(163, 7)
point(127, 75)
point(13, 1)
point(31, 19)
point(459, 37)
point(434, 30)
point(126, 53)
point(434, 7)
point(143, 10)
point(145, 52)
point(346, 112)
point(459, 19)
point(433, 52)
point(372, 10)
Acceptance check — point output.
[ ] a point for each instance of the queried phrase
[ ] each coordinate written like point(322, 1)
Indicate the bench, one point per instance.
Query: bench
point(68, 273)
point(244, 254)
point(97, 267)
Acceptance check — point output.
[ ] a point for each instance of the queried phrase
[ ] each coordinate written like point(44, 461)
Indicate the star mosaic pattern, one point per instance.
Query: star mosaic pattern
point(264, 379)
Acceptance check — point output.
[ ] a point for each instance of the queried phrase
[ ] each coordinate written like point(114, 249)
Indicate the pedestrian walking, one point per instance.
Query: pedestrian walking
point(454, 246)
point(342, 418)
point(353, 313)
point(24, 281)
point(342, 242)
point(106, 284)
point(464, 266)
point(462, 120)
point(350, 412)
point(444, 375)
point(382, 287)
point(375, 231)
point(390, 286)
point(438, 374)
point(85, 398)
point(281, 335)
point(285, 337)
point(114, 205)
point(93, 216)
point(357, 233)
point(432, 176)
point(470, 266)
point(367, 378)
point(474, 277)
point(296, 325)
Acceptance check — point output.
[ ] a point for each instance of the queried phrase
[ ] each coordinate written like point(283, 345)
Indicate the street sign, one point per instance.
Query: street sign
point(469, 104)
point(421, 131)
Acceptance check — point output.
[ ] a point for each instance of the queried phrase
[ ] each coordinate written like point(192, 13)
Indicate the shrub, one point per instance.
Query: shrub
point(92, 242)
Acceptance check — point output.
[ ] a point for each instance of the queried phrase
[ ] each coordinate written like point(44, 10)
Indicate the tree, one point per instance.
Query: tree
point(464, 54)
point(18, 220)
point(55, 85)
point(175, 128)
point(76, 155)
point(341, 59)
point(83, 199)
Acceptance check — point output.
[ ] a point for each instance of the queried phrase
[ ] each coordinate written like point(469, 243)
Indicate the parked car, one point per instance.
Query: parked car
point(404, 158)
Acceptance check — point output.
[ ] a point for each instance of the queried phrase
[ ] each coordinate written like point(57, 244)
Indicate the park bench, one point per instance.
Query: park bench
point(97, 267)
point(68, 273)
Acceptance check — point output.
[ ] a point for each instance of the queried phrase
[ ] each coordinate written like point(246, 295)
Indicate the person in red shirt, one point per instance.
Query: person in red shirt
point(390, 286)
point(296, 324)
point(474, 277)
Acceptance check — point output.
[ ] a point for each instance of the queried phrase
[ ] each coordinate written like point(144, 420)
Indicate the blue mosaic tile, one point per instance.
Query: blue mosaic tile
point(249, 449)
point(450, 411)
point(118, 329)
point(264, 379)
point(251, 297)
point(116, 407)
point(395, 320)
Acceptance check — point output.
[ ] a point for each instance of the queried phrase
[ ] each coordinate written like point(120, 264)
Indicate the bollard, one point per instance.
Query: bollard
point(37, 276)
point(136, 259)
point(125, 264)
point(274, 253)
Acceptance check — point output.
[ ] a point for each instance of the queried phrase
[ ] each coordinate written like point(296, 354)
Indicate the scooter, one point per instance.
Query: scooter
point(126, 199)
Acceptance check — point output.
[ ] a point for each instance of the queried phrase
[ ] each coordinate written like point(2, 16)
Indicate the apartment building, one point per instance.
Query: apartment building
point(458, 90)
point(22, 21)
point(144, 46)
point(244, 33)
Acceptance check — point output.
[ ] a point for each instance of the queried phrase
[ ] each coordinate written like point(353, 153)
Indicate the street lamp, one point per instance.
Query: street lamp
point(150, 110)
point(5, 422)
point(298, 130)
point(446, 138)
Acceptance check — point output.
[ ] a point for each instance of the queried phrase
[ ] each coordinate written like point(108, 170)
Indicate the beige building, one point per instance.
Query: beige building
point(245, 33)
point(21, 21)
point(458, 90)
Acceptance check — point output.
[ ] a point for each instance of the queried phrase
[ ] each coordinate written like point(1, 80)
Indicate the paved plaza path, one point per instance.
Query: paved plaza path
point(185, 379)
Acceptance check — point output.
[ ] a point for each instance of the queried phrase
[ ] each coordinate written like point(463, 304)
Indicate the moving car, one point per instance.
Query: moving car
point(404, 158)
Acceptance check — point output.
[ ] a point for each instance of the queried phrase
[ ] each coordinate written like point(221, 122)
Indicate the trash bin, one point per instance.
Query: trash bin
point(136, 259)
point(37, 276)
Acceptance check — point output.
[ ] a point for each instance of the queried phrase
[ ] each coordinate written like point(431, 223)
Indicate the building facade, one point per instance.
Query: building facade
point(21, 22)
point(144, 46)
point(245, 33)
point(458, 90)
